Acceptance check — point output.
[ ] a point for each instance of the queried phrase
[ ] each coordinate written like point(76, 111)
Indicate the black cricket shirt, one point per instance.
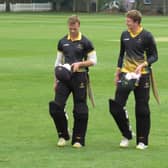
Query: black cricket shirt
point(75, 51)
point(136, 50)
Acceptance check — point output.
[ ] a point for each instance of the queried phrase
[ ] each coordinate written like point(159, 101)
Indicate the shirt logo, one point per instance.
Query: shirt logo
point(146, 85)
point(80, 46)
point(139, 40)
point(82, 85)
point(66, 45)
point(126, 39)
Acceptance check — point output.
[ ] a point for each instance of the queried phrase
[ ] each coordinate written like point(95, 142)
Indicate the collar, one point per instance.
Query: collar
point(79, 37)
point(137, 33)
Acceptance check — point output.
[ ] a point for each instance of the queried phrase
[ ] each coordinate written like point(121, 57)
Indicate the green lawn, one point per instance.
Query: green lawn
point(27, 135)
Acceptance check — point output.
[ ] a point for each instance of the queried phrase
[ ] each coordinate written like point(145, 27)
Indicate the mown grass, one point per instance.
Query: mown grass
point(27, 55)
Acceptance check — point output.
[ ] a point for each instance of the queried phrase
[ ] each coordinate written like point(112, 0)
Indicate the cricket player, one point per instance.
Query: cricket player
point(138, 52)
point(77, 51)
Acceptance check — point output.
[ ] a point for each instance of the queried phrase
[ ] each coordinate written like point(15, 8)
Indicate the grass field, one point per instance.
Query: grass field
point(27, 135)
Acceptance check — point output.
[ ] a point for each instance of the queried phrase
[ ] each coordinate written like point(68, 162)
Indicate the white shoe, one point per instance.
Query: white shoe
point(77, 145)
point(124, 143)
point(61, 142)
point(141, 146)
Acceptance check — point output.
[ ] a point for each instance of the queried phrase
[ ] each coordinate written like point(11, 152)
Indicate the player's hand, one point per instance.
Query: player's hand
point(55, 85)
point(139, 68)
point(116, 78)
point(75, 66)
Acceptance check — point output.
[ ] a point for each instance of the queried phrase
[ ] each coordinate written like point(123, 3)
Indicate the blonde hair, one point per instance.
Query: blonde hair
point(135, 15)
point(73, 19)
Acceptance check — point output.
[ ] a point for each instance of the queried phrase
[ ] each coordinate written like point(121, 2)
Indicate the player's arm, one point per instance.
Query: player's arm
point(120, 61)
point(151, 53)
point(91, 60)
point(59, 58)
point(58, 61)
point(151, 50)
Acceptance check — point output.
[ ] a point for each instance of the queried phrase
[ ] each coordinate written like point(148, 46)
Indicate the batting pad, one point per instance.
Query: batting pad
point(120, 118)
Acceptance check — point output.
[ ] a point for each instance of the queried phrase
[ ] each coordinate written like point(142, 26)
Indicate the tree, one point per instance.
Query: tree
point(8, 5)
point(74, 5)
point(139, 5)
point(81, 5)
point(56, 5)
point(88, 5)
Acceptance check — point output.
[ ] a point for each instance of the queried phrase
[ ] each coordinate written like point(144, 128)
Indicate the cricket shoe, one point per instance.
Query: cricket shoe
point(62, 142)
point(125, 142)
point(141, 146)
point(77, 145)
